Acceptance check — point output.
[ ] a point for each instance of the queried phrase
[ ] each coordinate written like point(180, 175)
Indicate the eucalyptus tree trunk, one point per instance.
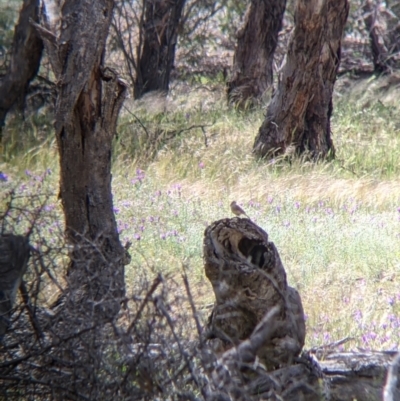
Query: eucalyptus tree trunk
point(378, 47)
point(158, 38)
point(24, 62)
point(298, 117)
point(383, 25)
point(254, 53)
point(88, 103)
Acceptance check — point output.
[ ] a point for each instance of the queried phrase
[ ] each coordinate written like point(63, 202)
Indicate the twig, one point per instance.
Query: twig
point(192, 306)
point(154, 286)
point(193, 127)
point(138, 120)
point(44, 33)
point(346, 168)
point(331, 346)
point(160, 305)
point(46, 270)
point(45, 349)
point(32, 318)
point(50, 384)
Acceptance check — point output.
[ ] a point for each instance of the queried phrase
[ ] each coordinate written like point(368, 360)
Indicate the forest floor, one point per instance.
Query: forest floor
point(180, 161)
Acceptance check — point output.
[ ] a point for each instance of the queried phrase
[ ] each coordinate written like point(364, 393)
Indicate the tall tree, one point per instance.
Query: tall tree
point(254, 53)
point(88, 103)
point(300, 110)
point(25, 59)
point(159, 35)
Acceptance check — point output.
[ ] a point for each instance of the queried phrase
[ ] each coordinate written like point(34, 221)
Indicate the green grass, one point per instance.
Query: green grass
point(336, 225)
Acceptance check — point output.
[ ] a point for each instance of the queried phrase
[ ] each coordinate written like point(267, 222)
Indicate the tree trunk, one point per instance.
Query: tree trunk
point(254, 53)
point(88, 102)
point(14, 256)
point(249, 281)
point(378, 48)
point(159, 33)
point(298, 116)
point(25, 59)
point(383, 28)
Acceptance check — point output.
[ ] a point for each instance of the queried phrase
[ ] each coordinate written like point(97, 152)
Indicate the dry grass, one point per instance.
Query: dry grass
point(336, 224)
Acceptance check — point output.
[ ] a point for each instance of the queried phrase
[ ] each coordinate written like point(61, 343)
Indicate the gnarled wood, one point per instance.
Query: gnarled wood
point(88, 103)
point(249, 280)
point(241, 376)
point(334, 376)
point(257, 330)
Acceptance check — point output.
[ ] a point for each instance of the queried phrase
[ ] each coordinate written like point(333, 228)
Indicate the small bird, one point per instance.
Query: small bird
point(237, 210)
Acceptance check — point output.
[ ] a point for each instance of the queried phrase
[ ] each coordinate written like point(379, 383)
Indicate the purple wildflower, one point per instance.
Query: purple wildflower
point(358, 315)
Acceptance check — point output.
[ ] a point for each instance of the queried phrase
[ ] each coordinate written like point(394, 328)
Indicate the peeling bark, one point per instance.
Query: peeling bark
point(89, 99)
point(254, 53)
point(298, 117)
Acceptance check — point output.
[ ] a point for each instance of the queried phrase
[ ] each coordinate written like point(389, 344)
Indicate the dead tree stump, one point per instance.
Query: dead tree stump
point(257, 330)
point(249, 280)
point(14, 256)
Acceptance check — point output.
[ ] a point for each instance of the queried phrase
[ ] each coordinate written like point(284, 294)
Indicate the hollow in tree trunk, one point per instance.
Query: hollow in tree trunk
point(298, 116)
point(24, 62)
point(159, 33)
point(88, 102)
point(254, 53)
